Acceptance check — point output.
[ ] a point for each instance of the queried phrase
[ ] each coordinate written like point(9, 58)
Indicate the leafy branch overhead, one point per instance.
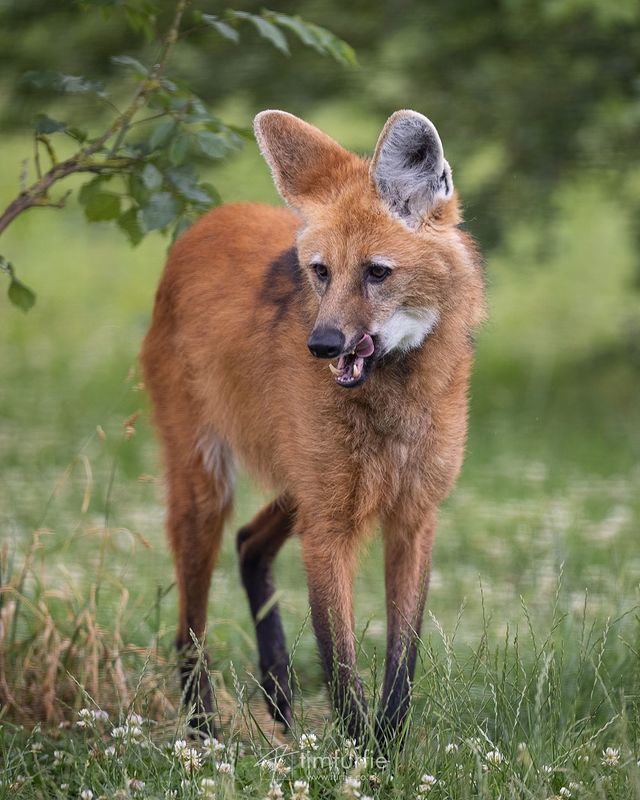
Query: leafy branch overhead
point(144, 166)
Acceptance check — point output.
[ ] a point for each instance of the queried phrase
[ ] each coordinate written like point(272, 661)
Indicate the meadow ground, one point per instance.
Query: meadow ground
point(529, 675)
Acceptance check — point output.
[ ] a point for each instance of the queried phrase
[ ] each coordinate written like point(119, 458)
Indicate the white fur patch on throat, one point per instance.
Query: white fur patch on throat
point(407, 328)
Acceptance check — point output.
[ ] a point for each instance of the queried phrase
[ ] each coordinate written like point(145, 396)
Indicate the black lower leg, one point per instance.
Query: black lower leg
point(257, 548)
point(396, 690)
point(197, 692)
point(345, 686)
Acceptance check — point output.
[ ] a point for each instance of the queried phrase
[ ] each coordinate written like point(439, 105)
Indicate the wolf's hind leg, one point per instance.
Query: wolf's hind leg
point(258, 543)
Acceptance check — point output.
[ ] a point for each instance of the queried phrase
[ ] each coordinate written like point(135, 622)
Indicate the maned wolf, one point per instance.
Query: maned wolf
point(328, 349)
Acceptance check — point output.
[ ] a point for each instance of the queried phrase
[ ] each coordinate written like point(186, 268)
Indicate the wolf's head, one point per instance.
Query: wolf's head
point(379, 241)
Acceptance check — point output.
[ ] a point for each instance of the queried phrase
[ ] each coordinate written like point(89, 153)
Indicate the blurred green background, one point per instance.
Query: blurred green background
point(538, 106)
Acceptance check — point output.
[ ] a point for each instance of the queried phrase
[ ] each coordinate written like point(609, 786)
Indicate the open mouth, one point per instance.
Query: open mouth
point(353, 367)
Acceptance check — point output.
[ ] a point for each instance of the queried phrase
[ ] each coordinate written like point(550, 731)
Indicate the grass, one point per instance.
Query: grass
point(531, 644)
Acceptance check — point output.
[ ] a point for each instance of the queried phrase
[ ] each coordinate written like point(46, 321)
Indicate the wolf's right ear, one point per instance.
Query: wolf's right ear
point(302, 158)
point(409, 169)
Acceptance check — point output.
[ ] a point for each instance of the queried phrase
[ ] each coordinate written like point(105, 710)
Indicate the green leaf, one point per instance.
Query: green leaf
point(132, 63)
point(320, 39)
point(151, 177)
point(302, 30)
point(265, 28)
point(214, 194)
point(128, 222)
point(44, 124)
point(76, 84)
point(161, 134)
point(224, 29)
point(179, 149)
point(93, 187)
point(159, 212)
point(186, 184)
point(211, 144)
point(102, 206)
point(137, 190)
point(184, 222)
point(20, 295)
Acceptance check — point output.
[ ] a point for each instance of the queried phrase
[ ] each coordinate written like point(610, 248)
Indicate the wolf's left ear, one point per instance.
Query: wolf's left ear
point(409, 169)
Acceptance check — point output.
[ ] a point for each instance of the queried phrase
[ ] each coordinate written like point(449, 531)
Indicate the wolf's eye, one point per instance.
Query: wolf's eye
point(376, 273)
point(322, 273)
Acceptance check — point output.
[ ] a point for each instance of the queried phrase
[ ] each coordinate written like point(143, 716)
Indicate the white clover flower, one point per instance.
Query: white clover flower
point(119, 732)
point(133, 731)
point(110, 751)
point(564, 792)
point(212, 747)
point(180, 747)
point(275, 792)
point(80, 723)
point(191, 759)
point(207, 788)
point(85, 714)
point(308, 741)
point(546, 769)
point(36, 747)
point(277, 766)
point(610, 757)
point(351, 787)
point(99, 716)
point(60, 757)
point(135, 719)
point(427, 782)
point(225, 768)
point(135, 786)
point(86, 794)
point(494, 758)
point(451, 748)
point(300, 790)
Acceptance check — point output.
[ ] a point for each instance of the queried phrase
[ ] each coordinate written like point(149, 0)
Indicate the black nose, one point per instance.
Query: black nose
point(326, 342)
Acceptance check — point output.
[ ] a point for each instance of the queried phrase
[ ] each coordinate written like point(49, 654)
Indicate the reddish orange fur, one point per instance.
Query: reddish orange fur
point(220, 362)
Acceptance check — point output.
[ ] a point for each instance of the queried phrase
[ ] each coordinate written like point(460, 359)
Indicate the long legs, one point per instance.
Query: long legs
point(407, 563)
point(199, 502)
point(258, 543)
point(329, 558)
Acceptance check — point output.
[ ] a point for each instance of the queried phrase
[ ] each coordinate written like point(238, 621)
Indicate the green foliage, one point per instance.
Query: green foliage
point(20, 295)
point(147, 167)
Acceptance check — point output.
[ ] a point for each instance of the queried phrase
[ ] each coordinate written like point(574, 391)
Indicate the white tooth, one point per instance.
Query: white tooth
point(357, 371)
point(334, 370)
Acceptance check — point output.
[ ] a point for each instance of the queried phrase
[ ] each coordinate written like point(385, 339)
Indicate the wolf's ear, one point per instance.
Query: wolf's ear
point(409, 169)
point(302, 158)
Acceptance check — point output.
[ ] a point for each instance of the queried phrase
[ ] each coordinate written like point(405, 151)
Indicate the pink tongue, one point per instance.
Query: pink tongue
point(365, 346)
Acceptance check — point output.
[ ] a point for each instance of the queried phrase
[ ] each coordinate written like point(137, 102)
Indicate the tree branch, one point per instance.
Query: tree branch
point(82, 161)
